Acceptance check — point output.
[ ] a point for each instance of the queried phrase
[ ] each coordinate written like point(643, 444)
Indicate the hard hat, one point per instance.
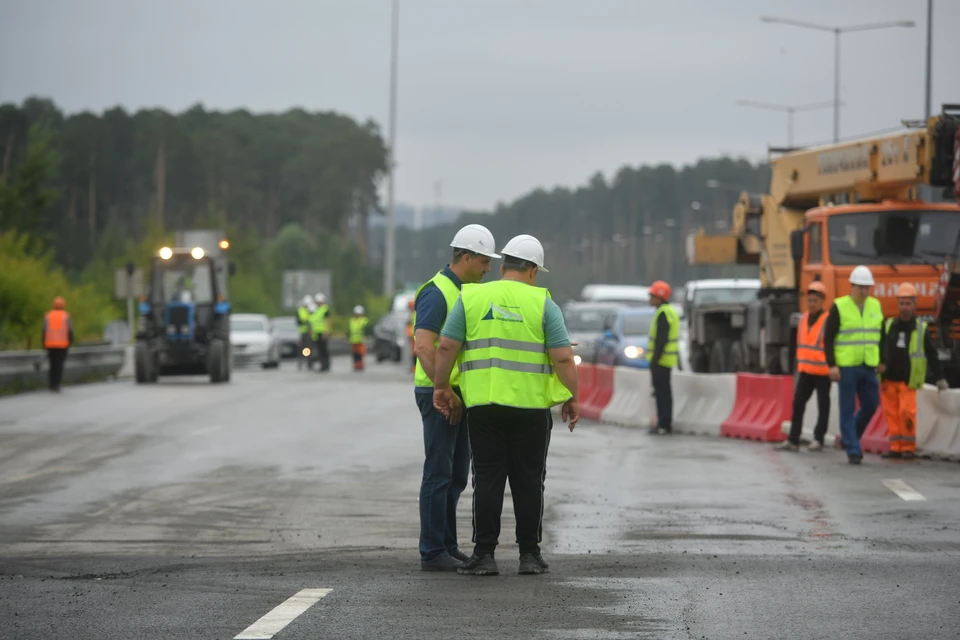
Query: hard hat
point(412, 304)
point(58, 303)
point(307, 301)
point(476, 238)
point(861, 275)
point(320, 298)
point(906, 290)
point(358, 310)
point(817, 287)
point(661, 290)
point(525, 247)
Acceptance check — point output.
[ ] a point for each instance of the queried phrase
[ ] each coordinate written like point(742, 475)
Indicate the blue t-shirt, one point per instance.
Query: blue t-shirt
point(431, 308)
point(554, 330)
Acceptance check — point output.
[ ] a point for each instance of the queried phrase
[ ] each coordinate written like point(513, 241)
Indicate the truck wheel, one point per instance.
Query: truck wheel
point(736, 360)
point(142, 362)
point(217, 361)
point(700, 363)
point(719, 355)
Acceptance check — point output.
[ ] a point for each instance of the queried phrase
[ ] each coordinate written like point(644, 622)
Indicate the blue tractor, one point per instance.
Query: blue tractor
point(185, 316)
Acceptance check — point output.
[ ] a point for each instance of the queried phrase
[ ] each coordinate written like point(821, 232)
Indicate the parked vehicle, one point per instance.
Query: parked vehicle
point(390, 336)
point(254, 340)
point(626, 293)
point(624, 342)
point(715, 315)
point(288, 334)
point(585, 324)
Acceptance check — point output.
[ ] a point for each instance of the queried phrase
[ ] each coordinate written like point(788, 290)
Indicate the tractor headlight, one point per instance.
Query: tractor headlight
point(632, 352)
point(171, 329)
point(166, 253)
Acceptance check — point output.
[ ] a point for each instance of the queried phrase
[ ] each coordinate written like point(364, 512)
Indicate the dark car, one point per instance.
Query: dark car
point(287, 333)
point(390, 336)
point(585, 324)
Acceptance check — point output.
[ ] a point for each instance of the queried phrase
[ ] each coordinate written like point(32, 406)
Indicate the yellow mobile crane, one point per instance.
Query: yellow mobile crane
point(829, 209)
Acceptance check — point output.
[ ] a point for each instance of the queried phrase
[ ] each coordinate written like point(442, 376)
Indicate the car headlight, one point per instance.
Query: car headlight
point(577, 359)
point(632, 352)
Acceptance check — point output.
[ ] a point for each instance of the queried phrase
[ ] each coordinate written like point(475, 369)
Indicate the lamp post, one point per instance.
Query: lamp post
point(789, 110)
point(836, 31)
point(389, 250)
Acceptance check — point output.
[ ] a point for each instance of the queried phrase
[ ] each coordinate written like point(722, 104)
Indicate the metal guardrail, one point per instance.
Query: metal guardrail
point(27, 369)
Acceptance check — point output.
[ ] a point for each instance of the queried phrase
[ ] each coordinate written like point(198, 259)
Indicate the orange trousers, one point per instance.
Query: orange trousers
point(899, 404)
point(359, 350)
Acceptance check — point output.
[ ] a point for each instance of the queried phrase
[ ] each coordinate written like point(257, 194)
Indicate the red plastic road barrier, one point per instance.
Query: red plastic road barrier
point(586, 380)
point(592, 405)
point(875, 438)
point(763, 404)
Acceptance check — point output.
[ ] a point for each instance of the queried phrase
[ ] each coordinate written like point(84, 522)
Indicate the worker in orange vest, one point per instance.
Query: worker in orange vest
point(57, 338)
point(814, 373)
point(907, 353)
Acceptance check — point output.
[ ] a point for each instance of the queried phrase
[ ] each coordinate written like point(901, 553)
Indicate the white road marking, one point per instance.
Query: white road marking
point(282, 615)
point(903, 490)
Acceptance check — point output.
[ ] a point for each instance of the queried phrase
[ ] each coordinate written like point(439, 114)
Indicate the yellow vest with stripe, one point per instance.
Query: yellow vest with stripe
point(918, 358)
point(357, 327)
point(504, 360)
point(671, 350)
point(318, 320)
point(304, 316)
point(450, 293)
point(858, 341)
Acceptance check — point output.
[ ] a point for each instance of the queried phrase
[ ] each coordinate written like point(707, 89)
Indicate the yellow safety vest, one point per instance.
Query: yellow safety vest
point(504, 359)
point(450, 293)
point(318, 320)
point(357, 327)
point(918, 358)
point(671, 350)
point(304, 316)
point(858, 341)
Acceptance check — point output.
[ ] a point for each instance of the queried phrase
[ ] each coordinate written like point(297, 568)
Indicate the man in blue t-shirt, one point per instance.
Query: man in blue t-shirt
point(447, 450)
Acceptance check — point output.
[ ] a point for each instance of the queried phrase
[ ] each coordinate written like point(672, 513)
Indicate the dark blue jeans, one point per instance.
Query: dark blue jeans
point(857, 382)
point(445, 473)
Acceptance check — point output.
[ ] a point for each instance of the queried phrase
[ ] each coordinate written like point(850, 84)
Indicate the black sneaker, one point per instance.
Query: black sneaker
point(459, 555)
point(663, 431)
point(854, 459)
point(444, 562)
point(476, 566)
point(892, 454)
point(532, 564)
point(909, 455)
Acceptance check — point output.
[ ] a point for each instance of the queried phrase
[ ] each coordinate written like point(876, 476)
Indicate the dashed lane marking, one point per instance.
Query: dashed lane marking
point(903, 490)
point(282, 615)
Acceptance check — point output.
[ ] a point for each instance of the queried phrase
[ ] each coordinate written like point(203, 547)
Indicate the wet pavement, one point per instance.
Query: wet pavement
point(192, 510)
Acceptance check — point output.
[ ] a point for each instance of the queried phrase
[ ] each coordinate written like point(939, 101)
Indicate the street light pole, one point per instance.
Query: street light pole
point(389, 252)
point(836, 51)
point(790, 111)
point(926, 104)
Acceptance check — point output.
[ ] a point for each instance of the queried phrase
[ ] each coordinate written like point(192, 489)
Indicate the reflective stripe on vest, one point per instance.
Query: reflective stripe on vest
point(504, 359)
point(450, 293)
point(811, 356)
point(858, 340)
point(671, 349)
point(57, 335)
point(357, 326)
point(918, 358)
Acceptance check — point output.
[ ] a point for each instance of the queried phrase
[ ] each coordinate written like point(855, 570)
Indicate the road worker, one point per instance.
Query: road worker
point(907, 355)
point(447, 452)
point(358, 326)
point(320, 330)
point(57, 338)
point(665, 344)
point(852, 345)
point(516, 363)
point(304, 341)
point(813, 374)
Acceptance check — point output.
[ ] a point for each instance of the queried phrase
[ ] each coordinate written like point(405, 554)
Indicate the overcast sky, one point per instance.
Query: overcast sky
point(496, 97)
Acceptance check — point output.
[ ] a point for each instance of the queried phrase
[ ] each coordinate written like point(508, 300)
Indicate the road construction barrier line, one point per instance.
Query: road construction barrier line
point(631, 402)
point(21, 369)
point(701, 401)
point(592, 406)
point(762, 403)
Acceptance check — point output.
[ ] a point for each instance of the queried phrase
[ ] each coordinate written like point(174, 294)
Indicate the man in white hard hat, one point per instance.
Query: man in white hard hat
point(320, 325)
point(516, 364)
point(357, 328)
point(447, 452)
point(851, 340)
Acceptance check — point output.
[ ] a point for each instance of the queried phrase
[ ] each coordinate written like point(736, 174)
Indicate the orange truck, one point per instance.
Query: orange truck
point(889, 202)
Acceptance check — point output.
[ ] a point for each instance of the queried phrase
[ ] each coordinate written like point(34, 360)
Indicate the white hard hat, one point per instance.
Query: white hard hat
point(307, 301)
point(476, 238)
point(527, 248)
point(358, 310)
point(861, 275)
point(320, 298)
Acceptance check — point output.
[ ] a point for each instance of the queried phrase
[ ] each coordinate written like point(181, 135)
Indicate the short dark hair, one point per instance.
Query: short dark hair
point(517, 264)
point(459, 253)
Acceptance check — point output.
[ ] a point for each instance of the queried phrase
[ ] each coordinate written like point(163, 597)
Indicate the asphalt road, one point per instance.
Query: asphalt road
point(190, 510)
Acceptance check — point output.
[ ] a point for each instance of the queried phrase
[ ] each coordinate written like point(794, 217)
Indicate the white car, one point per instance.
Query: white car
point(254, 340)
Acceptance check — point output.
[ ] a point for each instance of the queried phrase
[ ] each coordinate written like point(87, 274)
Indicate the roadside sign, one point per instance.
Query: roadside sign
point(297, 284)
point(125, 286)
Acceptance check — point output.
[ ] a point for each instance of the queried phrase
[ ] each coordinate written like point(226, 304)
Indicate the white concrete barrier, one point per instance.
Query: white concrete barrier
point(938, 423)
point(632, 402)
point(702, 401)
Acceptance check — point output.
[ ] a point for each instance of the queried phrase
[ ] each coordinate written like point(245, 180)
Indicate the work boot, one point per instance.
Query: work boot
point(532, 564)
point(892, 454)
point(477, 566)
point(459, 555)
point(786, 445)
point(854, 459)
point(442, 562)
point(815, 446)
point(909, 455)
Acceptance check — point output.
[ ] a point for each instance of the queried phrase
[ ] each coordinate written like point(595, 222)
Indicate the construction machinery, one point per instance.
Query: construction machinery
point(831, 208)
point(184, 324)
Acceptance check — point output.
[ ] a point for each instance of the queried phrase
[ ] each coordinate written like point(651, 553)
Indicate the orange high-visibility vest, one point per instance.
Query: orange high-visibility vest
point(811, 356)
point(57, 335)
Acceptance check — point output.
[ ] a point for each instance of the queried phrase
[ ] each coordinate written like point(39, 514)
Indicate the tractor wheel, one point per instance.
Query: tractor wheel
point(142, 363)
point(217, 362)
